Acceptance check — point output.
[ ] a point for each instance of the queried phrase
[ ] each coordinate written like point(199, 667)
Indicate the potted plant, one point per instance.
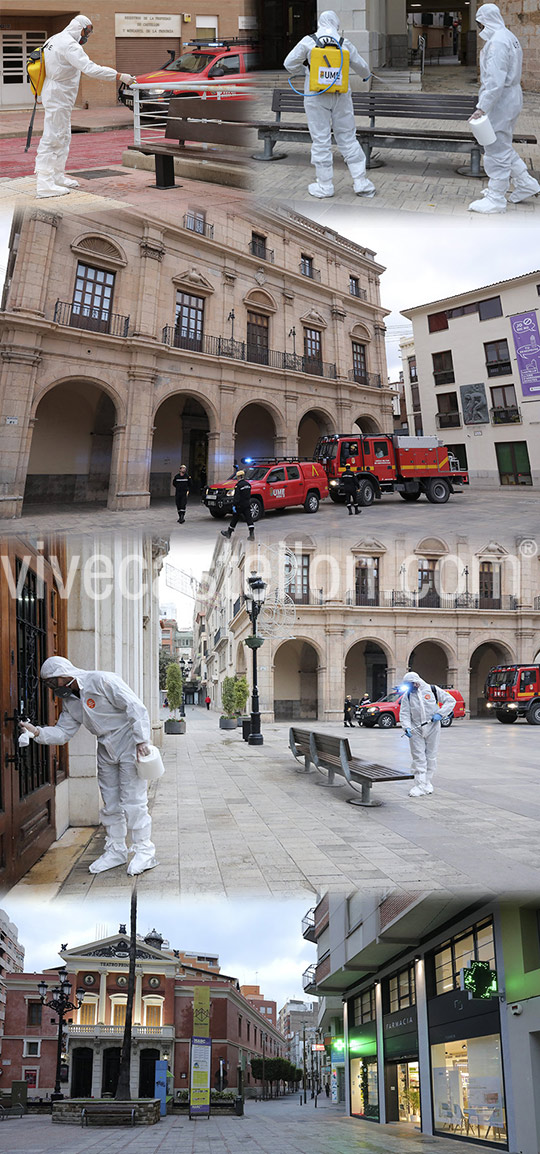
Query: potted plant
point(241, 694)
point(228, 717)
point(174, 683)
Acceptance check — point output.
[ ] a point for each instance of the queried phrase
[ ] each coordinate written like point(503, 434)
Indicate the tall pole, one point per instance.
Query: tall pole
point(263, 1069)
point(304, 1081)
point(60, 1011)
point(123, 1089)
point(255, 736)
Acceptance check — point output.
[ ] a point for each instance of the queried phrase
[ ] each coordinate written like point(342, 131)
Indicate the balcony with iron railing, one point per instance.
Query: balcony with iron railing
point(250, 353)
point(92, 319)
point(195, 223)
point(217, 636)
point(98, 1030)
point(448, 420)
point(308, 925)
point(498, 368)
point(505, 415)
point(260, 250)
point(429, 599)
point(360, 377)
point(237, 605)
point(307, 269)
point(308, 979)
point(356, 291)
point(444, 377)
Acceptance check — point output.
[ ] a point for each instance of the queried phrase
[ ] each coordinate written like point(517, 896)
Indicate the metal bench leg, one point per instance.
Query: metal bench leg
point(475, 162)
point(268, 151)
point(365, 799)
point(164, 171)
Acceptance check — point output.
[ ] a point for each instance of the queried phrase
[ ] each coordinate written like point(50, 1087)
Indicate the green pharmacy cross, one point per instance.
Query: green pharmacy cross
point(479, 980)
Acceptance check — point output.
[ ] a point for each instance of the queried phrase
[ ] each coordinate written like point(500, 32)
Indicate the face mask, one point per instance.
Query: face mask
point(84, 37)
point(63, 690)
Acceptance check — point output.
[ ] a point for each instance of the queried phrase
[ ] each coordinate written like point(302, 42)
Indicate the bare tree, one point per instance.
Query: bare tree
point(123, 1092)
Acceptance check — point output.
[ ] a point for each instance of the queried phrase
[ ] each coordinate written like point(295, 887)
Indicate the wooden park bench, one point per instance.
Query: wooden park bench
point(16, 1111)
point(333, 755)
point(192, 122)
point(108, 1114)
point(387, 106)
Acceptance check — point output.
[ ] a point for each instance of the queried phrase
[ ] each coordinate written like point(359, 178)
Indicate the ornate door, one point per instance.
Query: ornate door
point(32, 626)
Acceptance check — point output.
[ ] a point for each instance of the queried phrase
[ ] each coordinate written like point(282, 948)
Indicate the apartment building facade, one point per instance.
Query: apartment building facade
point(132, 346)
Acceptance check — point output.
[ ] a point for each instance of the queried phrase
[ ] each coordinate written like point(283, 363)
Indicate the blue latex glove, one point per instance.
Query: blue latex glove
point(437, 717)
point(408, 733)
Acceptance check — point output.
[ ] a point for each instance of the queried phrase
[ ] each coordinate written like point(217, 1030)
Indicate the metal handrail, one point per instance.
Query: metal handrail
point(251, 353)
point(221, 88)
point(91, 318)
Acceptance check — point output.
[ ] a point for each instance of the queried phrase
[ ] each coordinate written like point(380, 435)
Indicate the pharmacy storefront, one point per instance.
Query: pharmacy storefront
point(467, 1068)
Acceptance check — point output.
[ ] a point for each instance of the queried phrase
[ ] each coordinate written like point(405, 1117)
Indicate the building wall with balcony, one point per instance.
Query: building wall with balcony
point(477, 392)
point(444, 606)
point(131, 348)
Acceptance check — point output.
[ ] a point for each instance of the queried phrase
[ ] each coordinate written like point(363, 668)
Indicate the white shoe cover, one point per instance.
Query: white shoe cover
point(115, 855)
point(488, 204)
point(320, 190)
point(428, 788)
point(525, 186)
point(417, 791)
point(65, 181)
point(363, 187)
point(143, 859)
point(47, 188)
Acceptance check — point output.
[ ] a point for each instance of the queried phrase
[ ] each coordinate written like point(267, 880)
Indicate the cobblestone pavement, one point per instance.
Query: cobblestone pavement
point(409, 181)
point(507, 513)
point(279, 1127)
point(230, 819)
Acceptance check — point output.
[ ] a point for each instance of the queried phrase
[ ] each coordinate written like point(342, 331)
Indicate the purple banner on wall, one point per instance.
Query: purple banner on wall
point(527, 345)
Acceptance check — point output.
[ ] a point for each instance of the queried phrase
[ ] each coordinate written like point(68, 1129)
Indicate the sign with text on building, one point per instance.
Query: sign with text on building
point(141, 24)
point(201, 1010)
point(527, 345)
point(200, 1063)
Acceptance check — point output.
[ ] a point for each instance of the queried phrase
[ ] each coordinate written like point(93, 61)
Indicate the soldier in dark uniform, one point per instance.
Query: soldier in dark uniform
point(182, 485)
point(241, 507)
point(348, 712)
point(350, 486)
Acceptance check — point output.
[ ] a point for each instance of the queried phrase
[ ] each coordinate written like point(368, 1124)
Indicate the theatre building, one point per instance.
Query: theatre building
point(440, 1011)
point(167, 982)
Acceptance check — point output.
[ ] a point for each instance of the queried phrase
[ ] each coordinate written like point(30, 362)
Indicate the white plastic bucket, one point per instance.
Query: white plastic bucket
point(482, 130)
point(150, 767)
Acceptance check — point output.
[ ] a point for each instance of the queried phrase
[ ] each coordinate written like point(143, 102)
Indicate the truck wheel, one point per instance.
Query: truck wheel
point(533, 713)
point(217, 513)
point(336, 498)
point(366, 493)
point(506, 718)
point(410, 496)
point(446, 721)
point(438, 491)
point(311, 503)
point(256, 509)
point(386, 721)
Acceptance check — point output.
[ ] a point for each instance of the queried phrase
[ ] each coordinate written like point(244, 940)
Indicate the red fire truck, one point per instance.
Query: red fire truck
point(391, 463)
point(513, 691)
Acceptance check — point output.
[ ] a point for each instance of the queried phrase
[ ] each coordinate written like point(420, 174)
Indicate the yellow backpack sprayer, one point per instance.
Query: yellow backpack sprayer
point(35, 68)
point(328, 67)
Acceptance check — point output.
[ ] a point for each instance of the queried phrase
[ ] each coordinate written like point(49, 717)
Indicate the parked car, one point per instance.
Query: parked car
point(385, 711)
point(202, 60)
point(275, 484)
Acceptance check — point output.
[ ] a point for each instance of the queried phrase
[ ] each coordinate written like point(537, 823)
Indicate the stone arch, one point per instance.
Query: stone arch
point(483, 657)
point(368, 425)
point(431, 547)
point(258, 427)
point(241, 660)
point(312, 424)
point(96, 246)
point(183, 422)
point(434, 660)
point(260, 300)
point(296, 680)
point(71, 448)
point(119, 401)
point(367, 662)
point(361, 332)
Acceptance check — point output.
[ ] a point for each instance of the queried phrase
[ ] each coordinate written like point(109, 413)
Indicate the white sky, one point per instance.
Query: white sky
point(192, 559)
point(258, 942)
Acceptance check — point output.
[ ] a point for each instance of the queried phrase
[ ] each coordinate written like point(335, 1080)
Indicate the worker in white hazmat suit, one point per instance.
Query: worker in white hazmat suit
point(420, 713)
point(65, 60)
point(109, 709)
point(329, 112)
point(501, 99)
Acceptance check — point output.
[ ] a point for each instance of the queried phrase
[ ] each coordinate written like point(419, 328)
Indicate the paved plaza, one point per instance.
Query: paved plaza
point(278, 1127)
point(231, 820)
point(508, 514)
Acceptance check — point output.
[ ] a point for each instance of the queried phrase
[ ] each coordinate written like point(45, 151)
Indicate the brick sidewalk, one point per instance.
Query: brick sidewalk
point(229, 819)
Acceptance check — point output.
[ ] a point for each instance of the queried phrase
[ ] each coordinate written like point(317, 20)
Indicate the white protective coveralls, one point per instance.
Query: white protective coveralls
point(329, 112)
point(416, 710)
point(501, 98)
point(65, 59)
point(109, 709)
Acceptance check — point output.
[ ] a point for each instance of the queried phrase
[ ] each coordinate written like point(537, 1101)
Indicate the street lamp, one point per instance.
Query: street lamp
point(59, 1002)
point(255, 598)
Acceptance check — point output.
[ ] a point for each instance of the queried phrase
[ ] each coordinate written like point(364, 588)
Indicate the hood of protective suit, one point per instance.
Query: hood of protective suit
point(489, 15)
point(76, 26)
point(413, 679)
point(330, 21)
point(59, 667)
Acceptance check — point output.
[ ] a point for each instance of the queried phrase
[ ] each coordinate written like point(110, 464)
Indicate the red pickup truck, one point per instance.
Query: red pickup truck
point(275, 484)
point(385, 712)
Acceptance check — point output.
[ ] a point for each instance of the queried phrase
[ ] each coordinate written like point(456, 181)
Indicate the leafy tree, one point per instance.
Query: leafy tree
point(174, 687)
point(241, 694)
point(228, 697)
point(165, 660)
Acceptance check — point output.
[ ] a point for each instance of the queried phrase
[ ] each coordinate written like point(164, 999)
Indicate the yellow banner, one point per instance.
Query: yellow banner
point(201, 1011)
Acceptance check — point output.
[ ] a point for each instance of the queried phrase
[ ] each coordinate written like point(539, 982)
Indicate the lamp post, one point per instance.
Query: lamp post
point(254, 602)
point(186, 666)
point(59, 1002)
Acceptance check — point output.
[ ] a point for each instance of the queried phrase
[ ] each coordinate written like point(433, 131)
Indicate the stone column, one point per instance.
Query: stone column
point(102, 1004)
point(220, 455)
point(152, 252)
point(18, 377)
point(138, 1005)
point(129, 486)
point(332, 674)
point(28, 292)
